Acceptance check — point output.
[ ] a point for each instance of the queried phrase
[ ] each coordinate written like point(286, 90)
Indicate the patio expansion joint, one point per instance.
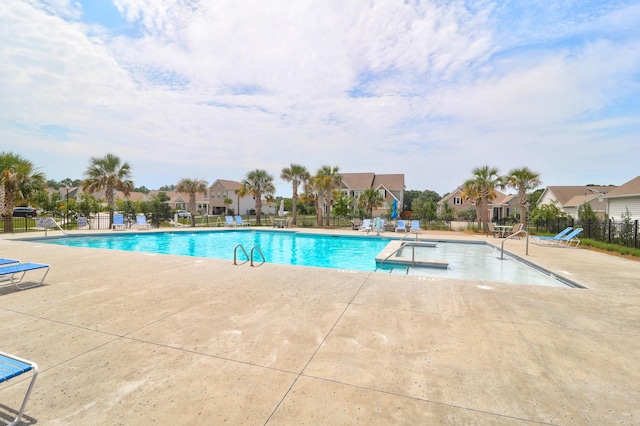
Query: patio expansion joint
point(301, 373)
point(551, 373)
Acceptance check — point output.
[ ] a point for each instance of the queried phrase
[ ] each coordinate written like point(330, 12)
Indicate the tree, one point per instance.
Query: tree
point(19, 182)
point(447, 214)
point(170, 188)
point(110, 174)
point(296, 175)
point(326, 180)
point(227, 202)
point(481, 188)
point(258, 183)
point(342, 205)
point(159, 208)
point(369, 200)
point(524, 180)
point(192, 187)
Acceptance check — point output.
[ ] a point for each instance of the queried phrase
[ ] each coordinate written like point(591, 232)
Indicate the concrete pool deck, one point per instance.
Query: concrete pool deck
point(132, 338)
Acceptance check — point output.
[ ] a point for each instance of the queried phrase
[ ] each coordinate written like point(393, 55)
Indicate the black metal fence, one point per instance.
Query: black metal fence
point(622, 232)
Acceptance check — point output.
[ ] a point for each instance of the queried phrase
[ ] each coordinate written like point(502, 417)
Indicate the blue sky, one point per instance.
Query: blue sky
point(431, 89)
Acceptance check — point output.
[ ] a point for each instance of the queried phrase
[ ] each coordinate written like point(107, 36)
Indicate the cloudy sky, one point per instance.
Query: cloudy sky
point(215, 88)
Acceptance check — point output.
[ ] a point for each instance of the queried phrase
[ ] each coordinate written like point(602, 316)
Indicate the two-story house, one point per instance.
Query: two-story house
point(390, 186)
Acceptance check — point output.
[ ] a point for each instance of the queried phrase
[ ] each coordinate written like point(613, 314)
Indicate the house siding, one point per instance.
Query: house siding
point(618, 207)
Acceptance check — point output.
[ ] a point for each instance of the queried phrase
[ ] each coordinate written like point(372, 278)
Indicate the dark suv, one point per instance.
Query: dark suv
point(24, 212)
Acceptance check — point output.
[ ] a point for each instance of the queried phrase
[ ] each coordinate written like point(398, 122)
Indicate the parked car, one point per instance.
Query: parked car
point(183, 213)
point(24, 212)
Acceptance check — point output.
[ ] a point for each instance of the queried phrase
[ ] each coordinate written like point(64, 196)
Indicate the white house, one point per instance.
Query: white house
point(622, 199)
point(569, 198)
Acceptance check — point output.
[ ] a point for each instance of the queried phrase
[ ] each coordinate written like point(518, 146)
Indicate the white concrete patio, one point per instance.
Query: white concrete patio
point(130, 338)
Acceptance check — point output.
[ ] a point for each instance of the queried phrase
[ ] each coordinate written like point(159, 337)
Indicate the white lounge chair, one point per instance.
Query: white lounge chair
point(118, 222)
point(366, 225)
point(12, 366)
point(15, 273)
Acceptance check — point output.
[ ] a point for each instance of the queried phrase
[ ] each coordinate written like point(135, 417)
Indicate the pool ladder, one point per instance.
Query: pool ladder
point(250, 258)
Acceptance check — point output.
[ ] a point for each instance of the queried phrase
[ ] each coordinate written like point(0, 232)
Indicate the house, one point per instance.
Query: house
point(390, 186)
point(501, 206)
point(180, 200)
point(223, 189)
point(622, 199)
point(569, 198)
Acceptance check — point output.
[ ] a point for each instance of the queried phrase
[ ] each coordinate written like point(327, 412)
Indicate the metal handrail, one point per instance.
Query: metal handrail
point(413, 254)
point(522, 231)
point(259, 251)
point(235, 251)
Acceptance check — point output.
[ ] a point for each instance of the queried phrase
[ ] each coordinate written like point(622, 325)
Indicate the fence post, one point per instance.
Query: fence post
point(609, 232)
point(635, 234)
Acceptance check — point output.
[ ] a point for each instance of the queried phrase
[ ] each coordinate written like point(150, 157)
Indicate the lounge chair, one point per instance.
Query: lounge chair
point(415, 227)
point(566, 241)
point(240, 222)
point(402, 226)
point(141, 222)
point(491, 229)
point(12, 366)
point(8, 261)
point(8, 273)
point(560, 234)
point(118, 222)
point(355, 224)
point(366, 225)
point(229, 222)
point(83, 223)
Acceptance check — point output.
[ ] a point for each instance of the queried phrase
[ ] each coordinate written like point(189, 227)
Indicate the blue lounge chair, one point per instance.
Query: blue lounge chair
point(566, 241)
point(241, 222)
point(12, 366)
point(141, 222)
point(415, 227)
point(402, 226)
point(15, 273)
point(8, 261)
point(229, 221)
point(118, 222)
point(540, 240)
point(560, 234)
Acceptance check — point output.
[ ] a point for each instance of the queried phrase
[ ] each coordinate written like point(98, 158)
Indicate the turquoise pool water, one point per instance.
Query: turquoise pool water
point(466, 260)
point(286, 248)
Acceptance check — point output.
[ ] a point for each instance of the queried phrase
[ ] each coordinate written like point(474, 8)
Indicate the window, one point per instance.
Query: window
point(457, 201)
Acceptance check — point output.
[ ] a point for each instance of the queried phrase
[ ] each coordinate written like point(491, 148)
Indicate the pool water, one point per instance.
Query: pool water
point(286, 248)
point(466, 260)
point(480, 261)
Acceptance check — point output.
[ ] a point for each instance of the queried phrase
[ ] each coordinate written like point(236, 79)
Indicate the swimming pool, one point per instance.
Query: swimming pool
point(281, 247)
point(472, 261)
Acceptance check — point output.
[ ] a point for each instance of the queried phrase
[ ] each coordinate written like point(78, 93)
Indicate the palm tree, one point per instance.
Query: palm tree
point(523, 180)
point(258, 183)
point(192, 187)
point(370, 199)
point(110, 174)
point(19, 181)
point(482, 189)
point(296, 174)
point(327, 179)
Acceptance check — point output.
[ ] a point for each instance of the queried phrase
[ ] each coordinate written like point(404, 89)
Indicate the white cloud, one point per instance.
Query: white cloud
point(429, 89)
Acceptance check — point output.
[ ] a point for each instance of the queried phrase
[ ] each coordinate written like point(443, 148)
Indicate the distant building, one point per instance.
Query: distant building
point(623, 198)
point(569, 198)
point(390, 186)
